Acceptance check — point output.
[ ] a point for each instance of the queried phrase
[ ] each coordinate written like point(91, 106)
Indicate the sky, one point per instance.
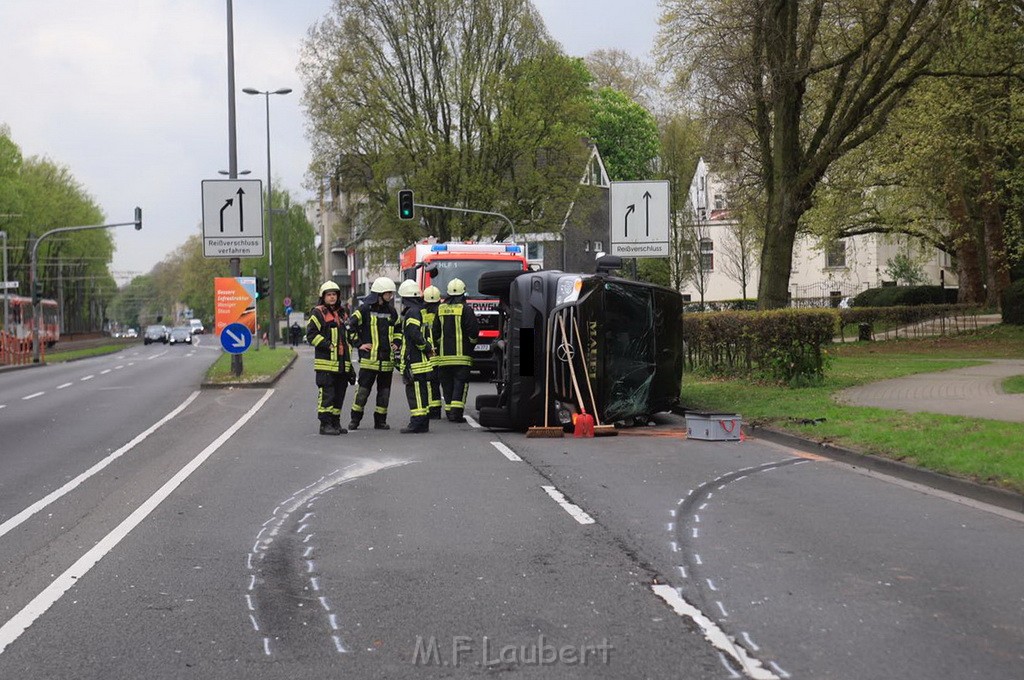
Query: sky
point(131, 96)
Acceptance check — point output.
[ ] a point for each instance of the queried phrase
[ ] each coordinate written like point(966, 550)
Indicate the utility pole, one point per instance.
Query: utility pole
point(236, 263)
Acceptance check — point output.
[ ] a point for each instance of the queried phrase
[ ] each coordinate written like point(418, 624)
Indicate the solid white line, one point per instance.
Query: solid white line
point(33, 396)
point(20, 622)
point(712, 633)
point(507, 452)
point(471, 422)
point(574, 510)
point(62, 491)
point(60, 387)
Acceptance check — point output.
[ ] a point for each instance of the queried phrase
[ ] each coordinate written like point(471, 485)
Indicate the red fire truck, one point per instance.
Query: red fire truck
point(431, 263)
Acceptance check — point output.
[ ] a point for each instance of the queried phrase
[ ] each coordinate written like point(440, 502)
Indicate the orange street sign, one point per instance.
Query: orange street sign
point(234, 302)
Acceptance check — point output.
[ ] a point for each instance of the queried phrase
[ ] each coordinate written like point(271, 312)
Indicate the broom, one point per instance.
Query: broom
point(584, 426)
point(546, 432)
point(599, 429)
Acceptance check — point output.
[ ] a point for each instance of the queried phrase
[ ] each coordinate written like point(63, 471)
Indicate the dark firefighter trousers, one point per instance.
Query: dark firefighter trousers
point(367, 377)
point(332, 387)
point(455, 387)
point(417, 391)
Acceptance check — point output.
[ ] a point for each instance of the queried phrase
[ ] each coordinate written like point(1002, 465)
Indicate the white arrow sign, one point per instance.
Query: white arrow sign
point(639, 219)
point(237, 340)
point(232, 218)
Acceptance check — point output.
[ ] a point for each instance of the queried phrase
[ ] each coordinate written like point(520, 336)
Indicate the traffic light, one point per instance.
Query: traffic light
point(262, 288)
point(406, 209)
point(37, 292)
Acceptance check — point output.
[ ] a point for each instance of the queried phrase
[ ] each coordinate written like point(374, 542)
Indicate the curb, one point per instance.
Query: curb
point(1001, 498)
point(262, 383)
point(1008, 500)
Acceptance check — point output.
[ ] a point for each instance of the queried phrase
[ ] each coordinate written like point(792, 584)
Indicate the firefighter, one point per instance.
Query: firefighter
point(373, 330)
point(331, 363)
point(431, 299)
point(455, 334)
point(415, 364)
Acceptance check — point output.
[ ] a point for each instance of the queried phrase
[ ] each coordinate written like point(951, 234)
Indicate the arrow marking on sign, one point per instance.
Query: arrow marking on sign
point(227, 204)
point(630, 209)
point(241, 220)
point(647, 208)
point(239, 341)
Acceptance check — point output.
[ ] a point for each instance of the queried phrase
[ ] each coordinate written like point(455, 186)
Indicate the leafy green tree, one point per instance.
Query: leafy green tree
point(800, 84)
point(469, 104)
point(625, 133)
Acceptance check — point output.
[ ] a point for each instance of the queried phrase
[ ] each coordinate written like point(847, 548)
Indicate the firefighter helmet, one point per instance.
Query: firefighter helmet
point(328, 286)
point(409, 289)
point(431, 294)
point(456, 287)
point(382, 284)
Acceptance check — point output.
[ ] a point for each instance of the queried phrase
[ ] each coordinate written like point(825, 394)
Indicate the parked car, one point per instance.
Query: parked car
point(181, 334)
point(156, 333)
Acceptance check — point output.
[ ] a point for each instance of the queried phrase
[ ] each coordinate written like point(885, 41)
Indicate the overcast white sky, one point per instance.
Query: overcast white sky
point(131, 95)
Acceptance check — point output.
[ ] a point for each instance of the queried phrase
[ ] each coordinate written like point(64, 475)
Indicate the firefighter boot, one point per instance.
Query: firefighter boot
point(435, 413)
point(417, 425)
point(380, 421)
point(328, 428)
point(455, 416)
point(336, 421)
point(353, 424)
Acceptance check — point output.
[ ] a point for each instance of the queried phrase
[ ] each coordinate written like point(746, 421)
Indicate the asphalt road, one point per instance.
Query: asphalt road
point(233, 541)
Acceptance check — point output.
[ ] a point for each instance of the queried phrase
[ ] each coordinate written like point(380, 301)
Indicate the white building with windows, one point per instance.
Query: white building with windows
point(821, 269)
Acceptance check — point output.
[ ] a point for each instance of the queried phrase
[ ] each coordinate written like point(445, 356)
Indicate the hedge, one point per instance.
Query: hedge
point(787, 344)
point(894, 296)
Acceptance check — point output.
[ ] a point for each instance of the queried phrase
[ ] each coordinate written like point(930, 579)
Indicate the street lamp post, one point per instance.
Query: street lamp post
point(270, 214)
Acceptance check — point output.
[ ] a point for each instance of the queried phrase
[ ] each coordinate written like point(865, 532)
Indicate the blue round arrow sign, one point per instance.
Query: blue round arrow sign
point(235, 338)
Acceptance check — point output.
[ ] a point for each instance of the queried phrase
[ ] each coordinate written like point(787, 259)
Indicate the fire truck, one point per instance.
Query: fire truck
point(431, 263)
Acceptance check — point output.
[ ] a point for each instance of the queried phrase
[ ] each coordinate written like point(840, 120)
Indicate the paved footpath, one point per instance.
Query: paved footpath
point(976, 392)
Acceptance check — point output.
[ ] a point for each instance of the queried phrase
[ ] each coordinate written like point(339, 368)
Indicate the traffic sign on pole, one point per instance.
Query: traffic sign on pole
point(235, 338)
point(232, 218)
point(639, 213)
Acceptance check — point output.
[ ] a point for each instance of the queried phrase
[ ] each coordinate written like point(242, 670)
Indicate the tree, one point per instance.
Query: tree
point(623, 72)
point(682, 138)
point(469, 104)
point(805, 82)
point(739, 251)
point(903, 267)
point(625, 133)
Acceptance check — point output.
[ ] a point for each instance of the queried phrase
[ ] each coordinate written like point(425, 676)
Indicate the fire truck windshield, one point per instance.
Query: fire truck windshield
point(469, 271)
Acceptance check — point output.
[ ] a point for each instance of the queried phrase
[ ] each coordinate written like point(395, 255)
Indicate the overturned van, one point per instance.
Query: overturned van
point(621, 340)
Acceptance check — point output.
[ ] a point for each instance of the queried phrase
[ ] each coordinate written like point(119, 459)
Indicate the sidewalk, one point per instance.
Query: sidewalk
point(975, 392)
point(931, 328)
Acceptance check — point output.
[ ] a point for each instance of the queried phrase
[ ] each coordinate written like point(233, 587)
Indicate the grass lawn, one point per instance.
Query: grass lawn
point(983, 450)
point(1014, 385)
point(56, 355)
point(257, 366)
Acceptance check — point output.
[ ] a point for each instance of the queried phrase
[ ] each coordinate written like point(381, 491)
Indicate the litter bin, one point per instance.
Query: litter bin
point(864, 332)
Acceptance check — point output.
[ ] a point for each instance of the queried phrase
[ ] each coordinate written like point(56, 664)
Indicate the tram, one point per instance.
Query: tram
point(20, 317)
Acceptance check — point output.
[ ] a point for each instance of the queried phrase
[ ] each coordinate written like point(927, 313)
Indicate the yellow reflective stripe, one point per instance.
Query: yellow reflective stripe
point(325, 365)
point(316, 320)
point(317, 339)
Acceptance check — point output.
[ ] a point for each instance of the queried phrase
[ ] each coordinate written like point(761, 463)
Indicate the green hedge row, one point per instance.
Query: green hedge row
point(894, 296)
point(786, 344)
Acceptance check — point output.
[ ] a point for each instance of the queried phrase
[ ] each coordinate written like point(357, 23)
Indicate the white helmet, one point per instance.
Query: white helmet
point(456, 287)
point(328, 286)
point(409, 289)
point(382, 284)
point(431, 294)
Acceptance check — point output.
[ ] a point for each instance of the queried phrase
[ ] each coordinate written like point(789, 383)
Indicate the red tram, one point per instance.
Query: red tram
point(21, 314)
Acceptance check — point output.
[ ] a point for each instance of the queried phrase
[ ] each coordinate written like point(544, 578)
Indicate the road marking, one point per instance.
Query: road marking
point(471, 422)
point(574, 510)
point(62, 491)
point(88, 377)
point(60, 387)
point(751, 667)
point(507, 452)
point(20, 622)
point(33, 396)
point(105, 371)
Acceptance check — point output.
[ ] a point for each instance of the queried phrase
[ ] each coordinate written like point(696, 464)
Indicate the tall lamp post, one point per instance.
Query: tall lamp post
point(270, 213)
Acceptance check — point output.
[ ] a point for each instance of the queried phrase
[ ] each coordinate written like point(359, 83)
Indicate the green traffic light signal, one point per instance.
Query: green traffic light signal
point(406, 207)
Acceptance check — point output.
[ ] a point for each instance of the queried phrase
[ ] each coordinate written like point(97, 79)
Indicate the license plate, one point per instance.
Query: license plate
point(483, 347)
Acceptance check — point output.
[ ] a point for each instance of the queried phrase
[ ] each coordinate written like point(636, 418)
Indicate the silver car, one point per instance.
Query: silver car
point(181, 334)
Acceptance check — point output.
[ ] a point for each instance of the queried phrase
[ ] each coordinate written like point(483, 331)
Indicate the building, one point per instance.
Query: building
point(822, 271)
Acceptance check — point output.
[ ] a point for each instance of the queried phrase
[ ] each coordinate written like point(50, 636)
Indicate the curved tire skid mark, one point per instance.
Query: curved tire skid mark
point(685, 531)
point(284, 598)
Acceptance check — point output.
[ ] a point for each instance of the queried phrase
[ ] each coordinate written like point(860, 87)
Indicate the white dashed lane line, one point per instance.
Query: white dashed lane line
point(507, 452)
point(88, 377)
point(33, 396)
point(60, 387)
point(575, 511)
